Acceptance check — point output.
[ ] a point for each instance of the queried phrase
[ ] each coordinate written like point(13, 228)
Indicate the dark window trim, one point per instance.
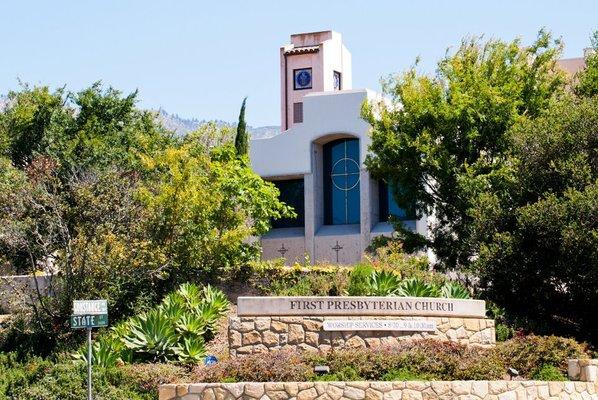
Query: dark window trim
point(340, 79)
point(295, 81)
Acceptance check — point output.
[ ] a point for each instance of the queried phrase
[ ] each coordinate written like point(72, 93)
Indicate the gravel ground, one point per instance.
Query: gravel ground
point(219, 345)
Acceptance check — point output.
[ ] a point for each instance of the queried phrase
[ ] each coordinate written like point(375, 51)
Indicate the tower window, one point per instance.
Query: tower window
point(341, 182)
point(297, 112)
point(337, 80)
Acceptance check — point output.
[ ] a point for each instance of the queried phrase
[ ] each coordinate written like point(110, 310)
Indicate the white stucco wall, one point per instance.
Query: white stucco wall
point(325, 114)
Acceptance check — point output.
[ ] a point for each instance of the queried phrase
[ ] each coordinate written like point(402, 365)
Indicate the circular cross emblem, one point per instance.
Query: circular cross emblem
point(345, 174)
point(303, 79)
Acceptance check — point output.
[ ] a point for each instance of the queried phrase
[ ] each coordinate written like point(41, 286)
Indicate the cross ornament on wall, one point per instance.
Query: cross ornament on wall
point(337, 248)
point(282, 250)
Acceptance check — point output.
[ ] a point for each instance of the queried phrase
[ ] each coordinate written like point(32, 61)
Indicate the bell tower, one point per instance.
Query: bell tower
point(312, 62)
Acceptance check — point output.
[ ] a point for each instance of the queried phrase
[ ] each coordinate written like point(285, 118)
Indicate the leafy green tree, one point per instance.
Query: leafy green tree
point(109, 130)
point(242, 138)
point(33, 123)
point(98, 196)
point(95, 128)
point(203, 208)
point(446, 138)
point(587, 84)
point(538, 233)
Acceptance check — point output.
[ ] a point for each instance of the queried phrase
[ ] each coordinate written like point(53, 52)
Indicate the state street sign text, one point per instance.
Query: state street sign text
point(86, 307)
point(89, 321)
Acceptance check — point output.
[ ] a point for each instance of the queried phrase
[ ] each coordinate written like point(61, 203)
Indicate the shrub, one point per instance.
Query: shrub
point(392, 256)
point(549, 373)
point(273, 278)
point(503, 332)
point(347, 373)
point(424, 359)
point(36, 378)
point(359, 280)
point(15, 373)
point(147, 377)
point(390, 273)
point(430, 358)
point(529, 354)
point(405, 374)
point(270, 367)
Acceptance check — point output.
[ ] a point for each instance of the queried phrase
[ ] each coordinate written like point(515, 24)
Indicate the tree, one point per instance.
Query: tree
point(446, 138)
point(538, 234)
point(33, 122)
point(242, 138)
point(93, 129)
point(204, 206)
point(587, 84)
point(99, 196)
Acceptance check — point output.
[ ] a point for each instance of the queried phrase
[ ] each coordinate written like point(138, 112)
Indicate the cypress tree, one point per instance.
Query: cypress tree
point(242, 138)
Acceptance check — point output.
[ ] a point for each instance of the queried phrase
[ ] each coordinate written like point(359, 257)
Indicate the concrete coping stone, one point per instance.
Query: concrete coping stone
point(359, 306)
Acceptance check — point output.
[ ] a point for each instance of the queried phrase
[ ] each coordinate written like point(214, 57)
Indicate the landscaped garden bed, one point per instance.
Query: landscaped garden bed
point(524, 367)
point(533, 357)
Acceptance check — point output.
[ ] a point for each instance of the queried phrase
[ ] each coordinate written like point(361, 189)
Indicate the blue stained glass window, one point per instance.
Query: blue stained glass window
point(389, 206)
point(341, 182)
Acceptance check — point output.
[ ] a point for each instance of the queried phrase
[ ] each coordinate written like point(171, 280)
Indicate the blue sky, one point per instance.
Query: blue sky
point(200, 58)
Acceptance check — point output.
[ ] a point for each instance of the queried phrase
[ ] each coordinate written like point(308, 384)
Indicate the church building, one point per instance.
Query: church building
point(317, 160)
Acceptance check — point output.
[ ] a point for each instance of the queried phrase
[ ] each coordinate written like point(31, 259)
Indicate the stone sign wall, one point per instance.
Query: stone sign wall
point(323, 323)
point(401, 390)
point(248, 335)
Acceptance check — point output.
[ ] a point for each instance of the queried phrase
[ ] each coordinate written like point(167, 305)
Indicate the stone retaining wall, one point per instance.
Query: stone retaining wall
point(247, 335)
point(412, 390)
point(583, 370)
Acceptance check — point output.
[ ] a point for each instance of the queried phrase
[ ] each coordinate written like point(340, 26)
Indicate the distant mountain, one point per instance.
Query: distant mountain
point(182, 126)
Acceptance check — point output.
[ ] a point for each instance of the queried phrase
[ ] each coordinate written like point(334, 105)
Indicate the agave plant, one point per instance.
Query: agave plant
point(216, 298)
point(383, 283)
point(454, 290)
point(191, 350)
point(414, 287)
point(105, 352)
point(152, 336)
point(210, 316)
point(174, 330)
point(173, 306)
point(191, 295)
point(191, 325)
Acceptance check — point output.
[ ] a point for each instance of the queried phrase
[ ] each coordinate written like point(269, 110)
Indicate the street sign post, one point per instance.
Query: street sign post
point(89, 314)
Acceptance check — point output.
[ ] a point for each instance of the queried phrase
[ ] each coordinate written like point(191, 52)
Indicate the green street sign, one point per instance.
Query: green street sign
point(89, 321)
